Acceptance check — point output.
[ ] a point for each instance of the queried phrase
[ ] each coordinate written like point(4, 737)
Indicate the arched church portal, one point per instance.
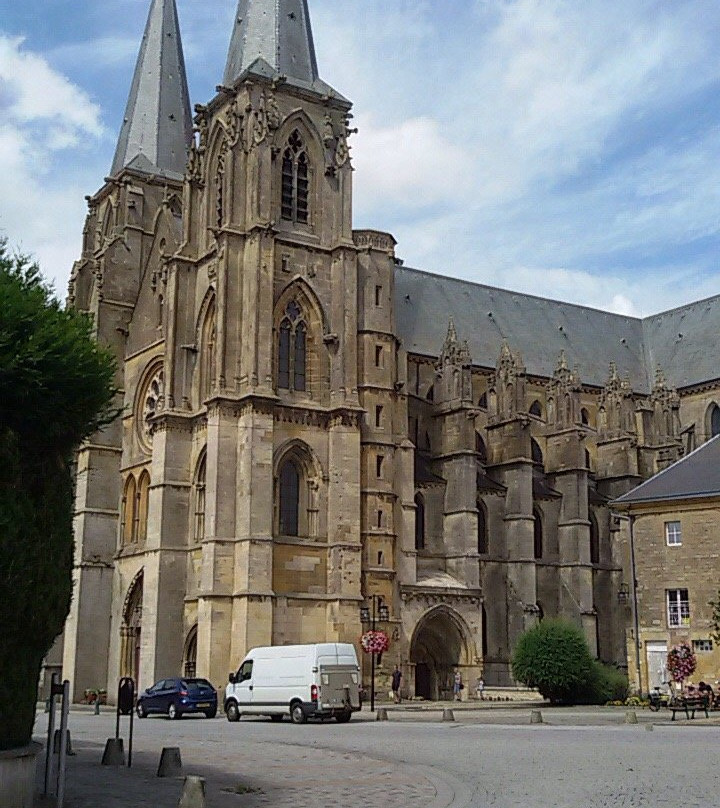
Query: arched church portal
point(131, 629)
point(438, 647)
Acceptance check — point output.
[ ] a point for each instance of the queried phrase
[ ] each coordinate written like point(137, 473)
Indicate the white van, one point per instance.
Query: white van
point(301, 681)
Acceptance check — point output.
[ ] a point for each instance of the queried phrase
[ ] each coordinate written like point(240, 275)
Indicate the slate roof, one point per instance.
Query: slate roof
point(274, 37)
point(695, 476)
point(540, 329)
point(157, 128)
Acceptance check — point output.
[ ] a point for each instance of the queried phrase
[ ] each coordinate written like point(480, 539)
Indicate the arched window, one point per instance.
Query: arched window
point(199, 499)
point(128, 511)
point(594, 540)
point(480, 448)
point(431, 393)
point(419, 522)
point(289, 496)
point(588, 460)
point(295, 181)
point(536, 409)
point(143, 497)
point(714, 420)
point(292, 350)
point(483, 401)
point(482, 531)
point(536, 452)
point(584, 417)
point(190, 655)
point(208, 338)
point(538, 535)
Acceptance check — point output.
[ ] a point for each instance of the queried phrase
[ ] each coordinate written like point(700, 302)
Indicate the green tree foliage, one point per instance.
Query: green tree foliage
point(554, 657)
point(56, 389)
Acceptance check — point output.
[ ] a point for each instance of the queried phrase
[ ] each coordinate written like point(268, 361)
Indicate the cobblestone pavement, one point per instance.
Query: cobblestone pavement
point(579, 758)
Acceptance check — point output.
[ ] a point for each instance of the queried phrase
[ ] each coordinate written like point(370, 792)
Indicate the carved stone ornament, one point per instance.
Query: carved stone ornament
point(235, 123)
point(198, 147)
point(151, 402)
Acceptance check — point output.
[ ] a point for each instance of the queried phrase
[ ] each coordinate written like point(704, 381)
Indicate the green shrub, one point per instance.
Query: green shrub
point(610, 684)
point(554, 657)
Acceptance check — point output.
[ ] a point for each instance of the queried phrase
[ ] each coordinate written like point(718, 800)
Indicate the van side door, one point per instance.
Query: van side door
point(244, 684)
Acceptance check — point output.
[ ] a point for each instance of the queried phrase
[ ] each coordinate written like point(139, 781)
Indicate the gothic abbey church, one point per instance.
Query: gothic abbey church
point(308, 423)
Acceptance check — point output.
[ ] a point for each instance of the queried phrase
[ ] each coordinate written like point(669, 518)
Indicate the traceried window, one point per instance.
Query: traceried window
point(199, 499)
point(292, 350)
point(289, 499)
point(673, 534)
point(141, 511)
point(295, 181)
point(678, 608)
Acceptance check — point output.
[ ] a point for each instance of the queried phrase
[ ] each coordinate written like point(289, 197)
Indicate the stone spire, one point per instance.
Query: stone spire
point(276, 31)
point(157, 128)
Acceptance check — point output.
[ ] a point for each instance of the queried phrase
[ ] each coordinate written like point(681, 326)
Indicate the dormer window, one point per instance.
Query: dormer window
point(295, 181)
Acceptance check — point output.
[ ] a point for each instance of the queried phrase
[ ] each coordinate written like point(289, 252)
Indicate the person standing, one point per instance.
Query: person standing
point(480, 688)
point(396, 679)
point(457, 685)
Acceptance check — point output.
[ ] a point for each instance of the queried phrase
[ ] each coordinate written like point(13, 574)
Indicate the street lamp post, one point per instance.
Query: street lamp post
point(368, 616)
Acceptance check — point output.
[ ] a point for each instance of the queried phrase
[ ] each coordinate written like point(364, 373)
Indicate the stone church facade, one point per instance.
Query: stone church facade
point(308, 423)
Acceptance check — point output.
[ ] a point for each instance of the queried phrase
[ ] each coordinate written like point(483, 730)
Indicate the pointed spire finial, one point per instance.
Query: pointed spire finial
point(157, 128)
point(276, 31)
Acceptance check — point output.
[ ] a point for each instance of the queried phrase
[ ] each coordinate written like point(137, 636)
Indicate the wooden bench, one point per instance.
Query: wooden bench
point(688, 705)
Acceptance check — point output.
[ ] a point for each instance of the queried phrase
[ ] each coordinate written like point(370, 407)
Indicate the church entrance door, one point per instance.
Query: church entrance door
point(438, 648)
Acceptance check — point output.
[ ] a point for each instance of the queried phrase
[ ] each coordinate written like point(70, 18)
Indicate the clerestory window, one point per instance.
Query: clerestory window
point(295, 181)
point(292, 350)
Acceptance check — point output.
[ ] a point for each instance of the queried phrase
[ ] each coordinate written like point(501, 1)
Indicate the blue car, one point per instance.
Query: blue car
point(176, 697)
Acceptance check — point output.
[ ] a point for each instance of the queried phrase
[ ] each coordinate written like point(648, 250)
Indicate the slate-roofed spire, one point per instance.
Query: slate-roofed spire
point(157, 129)
point(277, 31)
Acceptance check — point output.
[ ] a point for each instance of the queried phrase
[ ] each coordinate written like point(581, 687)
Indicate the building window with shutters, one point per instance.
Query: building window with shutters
point(678, 608)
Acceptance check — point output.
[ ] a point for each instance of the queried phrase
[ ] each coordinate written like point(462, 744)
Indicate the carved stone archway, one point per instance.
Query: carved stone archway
point(131, 630)
point(439, 646)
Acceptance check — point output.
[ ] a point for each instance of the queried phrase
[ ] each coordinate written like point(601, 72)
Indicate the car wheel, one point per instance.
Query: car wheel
point(173, 712)
point(211, 713)
point(297, 714)
point(140, 710)
point(277, 718)
point(343, 718)
point(232, 712)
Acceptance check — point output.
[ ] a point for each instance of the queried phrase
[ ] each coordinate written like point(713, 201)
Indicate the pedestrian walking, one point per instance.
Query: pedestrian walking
point(480, 688)
point(396, 679)
point(457, 685)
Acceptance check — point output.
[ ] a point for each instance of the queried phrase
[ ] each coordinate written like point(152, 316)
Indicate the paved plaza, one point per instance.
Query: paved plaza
point(579, 758)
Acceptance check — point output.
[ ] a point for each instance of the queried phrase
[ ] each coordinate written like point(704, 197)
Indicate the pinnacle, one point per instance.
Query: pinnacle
point(157, 128)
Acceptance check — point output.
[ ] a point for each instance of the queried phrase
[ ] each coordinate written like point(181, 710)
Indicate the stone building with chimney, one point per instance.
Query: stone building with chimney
point(308, 423)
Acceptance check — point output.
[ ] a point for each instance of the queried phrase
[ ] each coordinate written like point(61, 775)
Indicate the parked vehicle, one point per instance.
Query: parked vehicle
point(178, 697)
point(302, 681)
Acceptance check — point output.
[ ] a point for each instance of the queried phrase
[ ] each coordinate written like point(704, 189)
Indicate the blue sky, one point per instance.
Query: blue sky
point(567, 148)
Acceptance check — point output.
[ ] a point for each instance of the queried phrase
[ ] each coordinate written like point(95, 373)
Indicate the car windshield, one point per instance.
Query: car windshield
point(199, 686)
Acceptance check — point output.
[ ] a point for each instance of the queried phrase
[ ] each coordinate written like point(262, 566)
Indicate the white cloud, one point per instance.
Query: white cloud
point(43, 115)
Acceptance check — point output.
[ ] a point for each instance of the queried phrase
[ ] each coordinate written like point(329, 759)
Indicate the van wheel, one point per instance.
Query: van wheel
point(297, 713)
point(277, 718)
point(343, 718)
point(232, 712)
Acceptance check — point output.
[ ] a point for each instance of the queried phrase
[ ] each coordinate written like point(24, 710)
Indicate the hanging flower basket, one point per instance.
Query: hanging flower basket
point(681, 662)
point(375, 642)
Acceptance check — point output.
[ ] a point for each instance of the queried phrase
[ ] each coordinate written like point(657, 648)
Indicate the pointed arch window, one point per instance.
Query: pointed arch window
point(480, 448)
point(594, 540)
point(536, 409)
point(143, 501)
point(292, 350)
point(199, 499)
point(419, 522)
point(295, 180)
point(714, 421)
point(482, 531)
point(289, 494)
point(538, 535)
point(208, 352)
point(128, 511)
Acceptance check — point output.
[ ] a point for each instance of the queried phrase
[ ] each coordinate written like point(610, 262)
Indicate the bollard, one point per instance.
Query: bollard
point(96, 710)
point(631, 717)
point(536, 717)
point(650, 727)
point(114, 754)
point(381, 714)
point(170, 762)
point(193, 795)
point(56, 743)
point(448, 715)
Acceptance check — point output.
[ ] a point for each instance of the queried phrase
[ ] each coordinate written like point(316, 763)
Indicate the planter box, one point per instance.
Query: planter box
point(17, 776)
